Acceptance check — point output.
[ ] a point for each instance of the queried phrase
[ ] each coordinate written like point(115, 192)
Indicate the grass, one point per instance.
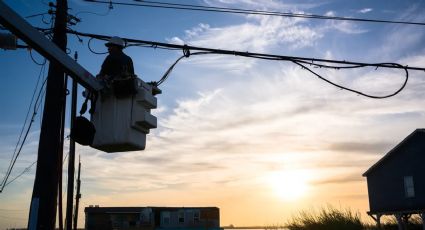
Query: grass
point(326, 219)
point(331, 218)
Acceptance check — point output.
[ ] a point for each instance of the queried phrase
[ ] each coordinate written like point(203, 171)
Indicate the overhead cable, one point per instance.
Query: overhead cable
point(300, 61)
point(178, 6)
point(27, 169)
point(110, 7)
point(20, 143)
point(313, 61)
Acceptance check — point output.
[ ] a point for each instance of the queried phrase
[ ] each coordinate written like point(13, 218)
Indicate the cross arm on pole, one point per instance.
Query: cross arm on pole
point(17, 25)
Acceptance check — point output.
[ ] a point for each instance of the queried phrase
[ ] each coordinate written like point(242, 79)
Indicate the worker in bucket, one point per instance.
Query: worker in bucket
point(117, 65)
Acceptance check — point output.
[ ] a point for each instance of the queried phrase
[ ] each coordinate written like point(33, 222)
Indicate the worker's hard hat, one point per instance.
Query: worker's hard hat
point(115, 41)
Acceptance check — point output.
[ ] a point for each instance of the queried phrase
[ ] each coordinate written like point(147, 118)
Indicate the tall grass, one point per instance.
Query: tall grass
point(331, 218)
point(326, 219)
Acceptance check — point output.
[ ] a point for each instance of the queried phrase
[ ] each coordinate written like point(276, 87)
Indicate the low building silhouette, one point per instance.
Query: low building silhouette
point(152, 218)
point(396, 183)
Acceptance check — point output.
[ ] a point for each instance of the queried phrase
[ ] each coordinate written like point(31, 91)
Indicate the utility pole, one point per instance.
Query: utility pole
point(77, 196)
point(44, 197)
point(71, 158)
point(60, 152)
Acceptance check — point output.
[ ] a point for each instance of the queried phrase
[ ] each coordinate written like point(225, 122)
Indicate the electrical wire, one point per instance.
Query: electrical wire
point(25, 121)
point(177, 6)
point(20, 143)
point(300, 61)
point(91, 50)
point(33, 59)
point(170, 69)
point(150, 46)
point(36, 15)
point(313, 61)
point(303, 66)
point(43, 98)
point(5, 182)
point(11, 210)
point(356, 91)
point(94, 13)
point(27, 169)
point(9, 217)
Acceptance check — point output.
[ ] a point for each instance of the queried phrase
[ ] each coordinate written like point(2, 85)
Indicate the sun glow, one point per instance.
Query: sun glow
point(289, 185)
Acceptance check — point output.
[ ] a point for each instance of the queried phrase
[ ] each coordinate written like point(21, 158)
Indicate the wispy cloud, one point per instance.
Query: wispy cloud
point(260, 34)
point(365, 10)
point(361, 147)
point(257, 34)
point(342, 26)
point(286, 115)
point(267, 5)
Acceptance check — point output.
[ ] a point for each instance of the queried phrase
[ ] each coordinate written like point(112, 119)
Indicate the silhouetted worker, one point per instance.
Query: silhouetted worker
point(116, 65)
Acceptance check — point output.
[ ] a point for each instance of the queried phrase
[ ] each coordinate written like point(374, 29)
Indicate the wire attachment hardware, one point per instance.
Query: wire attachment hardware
point(186, 51)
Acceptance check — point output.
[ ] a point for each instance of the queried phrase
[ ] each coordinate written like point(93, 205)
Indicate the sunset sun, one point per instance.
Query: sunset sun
point(289, 185)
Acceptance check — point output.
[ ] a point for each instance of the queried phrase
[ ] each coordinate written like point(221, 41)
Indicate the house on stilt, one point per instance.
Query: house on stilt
point(396, 183)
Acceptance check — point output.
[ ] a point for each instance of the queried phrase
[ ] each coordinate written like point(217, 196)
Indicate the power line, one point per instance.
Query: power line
point(27, 169)
point(300, 61)
point(306, 60)
point(110, 7)
point(11, 210)
point(23, 127)
point(9, 217)
point(20, 144)
point(33, 59)
point(303, 66)
point(178, 6)
point(16, 154)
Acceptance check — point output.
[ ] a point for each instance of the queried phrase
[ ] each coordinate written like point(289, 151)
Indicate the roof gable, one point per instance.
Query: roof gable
point(394, 150)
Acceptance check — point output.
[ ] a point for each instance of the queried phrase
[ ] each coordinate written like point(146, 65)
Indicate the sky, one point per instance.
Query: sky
point(261, 140)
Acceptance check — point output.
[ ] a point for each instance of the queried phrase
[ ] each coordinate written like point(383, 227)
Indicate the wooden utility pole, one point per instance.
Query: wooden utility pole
point(77, 196)
point(44, 197)
point(43, 203)
point(60, 153)
point(71, 159)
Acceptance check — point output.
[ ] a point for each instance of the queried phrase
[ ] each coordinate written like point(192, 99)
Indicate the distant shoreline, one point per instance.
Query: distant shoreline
point(254, 227)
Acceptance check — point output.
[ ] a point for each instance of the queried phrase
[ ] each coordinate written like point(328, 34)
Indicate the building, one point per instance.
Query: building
point(152, 218)
point(396, 183)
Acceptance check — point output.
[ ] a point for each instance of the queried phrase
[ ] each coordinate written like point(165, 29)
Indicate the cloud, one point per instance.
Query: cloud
point(365, 10)
point(267, 5)
point(409, 39)
point(259, 34)
point(340, 180)
point(330, 13)
point(278, 111)
point(341, 26)
point(347, 27)
point(175, 40)
point(361, 147)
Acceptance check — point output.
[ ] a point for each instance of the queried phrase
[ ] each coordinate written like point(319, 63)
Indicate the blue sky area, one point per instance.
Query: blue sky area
point(234, 132)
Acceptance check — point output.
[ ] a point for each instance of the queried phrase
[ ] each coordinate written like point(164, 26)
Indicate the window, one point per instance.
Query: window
point(181, 216)
point(409, 187)
point(165, 217)
point(196, 216)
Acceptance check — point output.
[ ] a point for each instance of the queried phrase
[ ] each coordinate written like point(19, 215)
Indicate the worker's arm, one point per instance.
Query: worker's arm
point(130, 66)
point(106, 66)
